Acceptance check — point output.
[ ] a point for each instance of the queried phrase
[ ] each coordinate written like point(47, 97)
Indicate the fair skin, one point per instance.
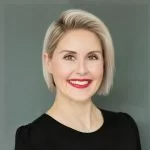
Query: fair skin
point(78, 52)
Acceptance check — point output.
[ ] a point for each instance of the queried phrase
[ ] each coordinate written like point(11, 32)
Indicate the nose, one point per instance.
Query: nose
point(81, 68)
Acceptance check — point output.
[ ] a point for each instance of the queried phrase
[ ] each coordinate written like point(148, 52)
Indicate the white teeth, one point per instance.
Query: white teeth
point(79, 82)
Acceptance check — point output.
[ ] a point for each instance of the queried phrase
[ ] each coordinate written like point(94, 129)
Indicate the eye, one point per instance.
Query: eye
point(93, 57)
point(68, 57)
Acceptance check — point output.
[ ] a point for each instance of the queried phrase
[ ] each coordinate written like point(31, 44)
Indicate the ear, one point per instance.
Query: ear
point(47, 62)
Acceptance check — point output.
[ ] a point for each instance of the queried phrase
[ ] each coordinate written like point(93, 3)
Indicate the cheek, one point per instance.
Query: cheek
point(97, 70)
point(61, 69)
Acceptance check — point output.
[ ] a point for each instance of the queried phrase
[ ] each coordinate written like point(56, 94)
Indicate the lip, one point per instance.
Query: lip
point(80, 86)
point(80, 80)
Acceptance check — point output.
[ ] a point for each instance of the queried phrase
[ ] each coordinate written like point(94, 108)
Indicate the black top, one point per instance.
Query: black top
point(118, 132)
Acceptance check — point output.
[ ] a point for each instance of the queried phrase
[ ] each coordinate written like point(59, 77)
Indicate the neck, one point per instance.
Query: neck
point(82, 114)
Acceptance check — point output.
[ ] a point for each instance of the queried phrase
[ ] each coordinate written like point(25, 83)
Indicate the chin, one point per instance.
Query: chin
point(81, 98)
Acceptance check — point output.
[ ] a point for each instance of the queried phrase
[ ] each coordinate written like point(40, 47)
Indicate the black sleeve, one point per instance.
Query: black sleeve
point(22, 138)
point(134, 129)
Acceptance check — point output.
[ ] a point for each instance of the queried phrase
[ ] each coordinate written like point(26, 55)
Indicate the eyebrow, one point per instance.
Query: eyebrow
point(73, 52)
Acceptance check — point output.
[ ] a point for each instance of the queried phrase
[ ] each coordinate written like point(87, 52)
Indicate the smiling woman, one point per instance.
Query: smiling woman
point(72, 21)
point(78, 62)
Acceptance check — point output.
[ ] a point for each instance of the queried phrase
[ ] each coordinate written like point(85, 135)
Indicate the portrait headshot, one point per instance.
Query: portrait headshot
point(78, 62)
point(76, 76)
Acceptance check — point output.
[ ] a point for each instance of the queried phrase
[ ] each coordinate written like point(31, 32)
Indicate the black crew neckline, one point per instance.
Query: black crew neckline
point(59, 124)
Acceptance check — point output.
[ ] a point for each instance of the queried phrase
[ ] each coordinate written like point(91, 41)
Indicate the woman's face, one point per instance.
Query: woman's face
point(78, 56)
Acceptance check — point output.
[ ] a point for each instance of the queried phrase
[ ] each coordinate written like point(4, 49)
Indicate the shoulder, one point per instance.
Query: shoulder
point(22, 138)
point(123, 125)
point(29, 135)
point(131, 124)
point(121, 118)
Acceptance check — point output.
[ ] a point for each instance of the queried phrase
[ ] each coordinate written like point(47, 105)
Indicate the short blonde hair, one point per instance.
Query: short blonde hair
point(80, 19)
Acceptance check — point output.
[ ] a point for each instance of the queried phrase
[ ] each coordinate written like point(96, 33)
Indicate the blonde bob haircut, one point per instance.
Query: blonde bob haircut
point(80, 19)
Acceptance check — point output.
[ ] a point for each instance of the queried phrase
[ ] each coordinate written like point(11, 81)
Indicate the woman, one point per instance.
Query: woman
point(78, 62)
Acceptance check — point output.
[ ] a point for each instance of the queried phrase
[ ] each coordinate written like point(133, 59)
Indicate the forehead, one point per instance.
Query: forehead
point(79, 40)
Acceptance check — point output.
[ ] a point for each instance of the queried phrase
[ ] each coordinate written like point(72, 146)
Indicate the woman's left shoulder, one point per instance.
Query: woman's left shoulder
point(119, 118)
point(128, 120)
point(123, 127)
point(132, 126)
point(123, 121)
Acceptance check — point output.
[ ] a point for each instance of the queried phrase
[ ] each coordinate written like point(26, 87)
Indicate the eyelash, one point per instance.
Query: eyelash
point(67, 56)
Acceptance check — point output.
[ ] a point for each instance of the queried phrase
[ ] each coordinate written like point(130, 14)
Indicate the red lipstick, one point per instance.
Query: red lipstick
point(80, 83)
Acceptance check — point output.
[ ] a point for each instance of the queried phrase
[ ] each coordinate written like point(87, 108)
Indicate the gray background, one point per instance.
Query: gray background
point(23, 92)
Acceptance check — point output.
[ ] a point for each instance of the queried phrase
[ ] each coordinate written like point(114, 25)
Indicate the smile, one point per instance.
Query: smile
point(80, 83)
